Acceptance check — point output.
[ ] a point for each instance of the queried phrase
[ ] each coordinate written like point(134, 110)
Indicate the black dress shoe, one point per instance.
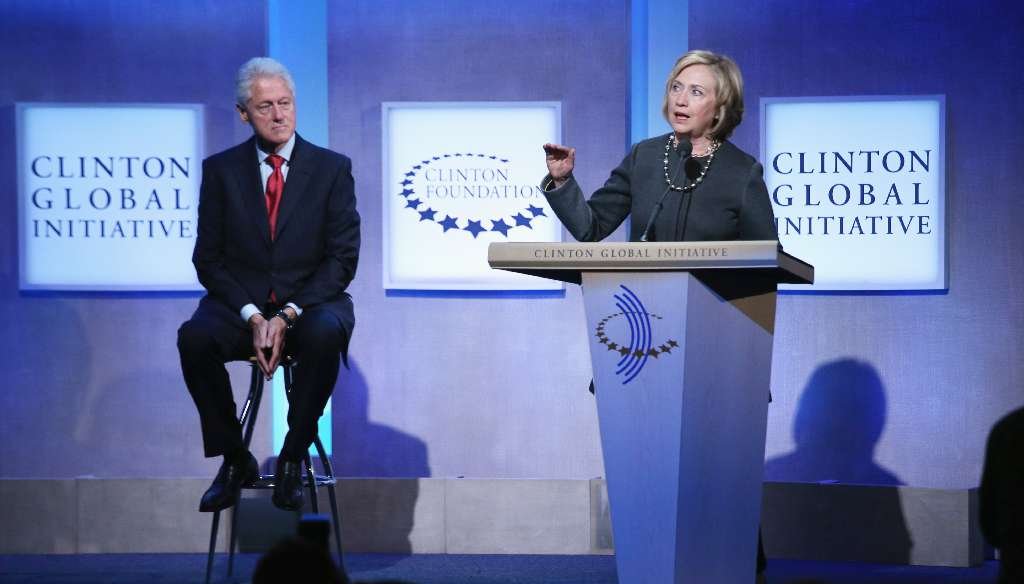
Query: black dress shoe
point(288, 485)
point(232, 476)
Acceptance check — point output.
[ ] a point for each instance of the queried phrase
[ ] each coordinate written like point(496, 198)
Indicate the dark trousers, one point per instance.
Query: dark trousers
point(216, 334)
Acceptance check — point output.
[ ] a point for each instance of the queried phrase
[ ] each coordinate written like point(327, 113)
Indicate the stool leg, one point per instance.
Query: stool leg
point(287, 367)
point(337, 526)
point(248, 423)
point(311, 477)
point(232, 540)
point(247, 419)
point(252, 405)
point(335, 520)
point(213, 545)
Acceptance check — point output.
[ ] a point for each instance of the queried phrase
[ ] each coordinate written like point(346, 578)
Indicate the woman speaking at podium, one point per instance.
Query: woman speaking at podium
point(691, 184)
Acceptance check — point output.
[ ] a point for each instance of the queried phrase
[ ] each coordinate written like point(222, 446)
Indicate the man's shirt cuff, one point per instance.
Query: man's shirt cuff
point(248, 310)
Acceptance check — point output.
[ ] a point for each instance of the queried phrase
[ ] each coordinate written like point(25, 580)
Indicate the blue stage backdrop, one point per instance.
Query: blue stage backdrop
point(904, 383)
point(94, 386)
point(440, 385)
point(490, 385)
point(868, 388)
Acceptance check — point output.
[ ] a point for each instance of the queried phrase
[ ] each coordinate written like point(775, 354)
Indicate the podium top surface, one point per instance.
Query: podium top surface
point(565, 261)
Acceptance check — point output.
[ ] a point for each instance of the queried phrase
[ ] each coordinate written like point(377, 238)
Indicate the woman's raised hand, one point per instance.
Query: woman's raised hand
point(560, 161)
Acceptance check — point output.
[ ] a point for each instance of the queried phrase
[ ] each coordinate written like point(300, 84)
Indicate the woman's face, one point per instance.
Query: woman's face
point(692, 101)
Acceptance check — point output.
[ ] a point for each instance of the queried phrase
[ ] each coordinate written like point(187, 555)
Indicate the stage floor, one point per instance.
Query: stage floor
point(445, 569)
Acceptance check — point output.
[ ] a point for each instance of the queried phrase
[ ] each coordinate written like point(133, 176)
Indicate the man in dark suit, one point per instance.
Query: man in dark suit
point(277, 245)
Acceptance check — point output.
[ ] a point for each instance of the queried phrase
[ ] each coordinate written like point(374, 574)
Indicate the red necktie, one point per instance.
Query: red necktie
point(275, 186)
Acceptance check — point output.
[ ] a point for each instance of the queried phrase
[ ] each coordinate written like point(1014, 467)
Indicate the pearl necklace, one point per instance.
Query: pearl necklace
point(710, 153)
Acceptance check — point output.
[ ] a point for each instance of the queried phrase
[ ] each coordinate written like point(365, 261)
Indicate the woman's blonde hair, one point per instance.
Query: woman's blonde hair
point(728, 94)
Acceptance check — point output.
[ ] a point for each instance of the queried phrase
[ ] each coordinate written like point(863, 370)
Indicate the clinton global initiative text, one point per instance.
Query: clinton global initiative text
point(101, 199)
point(110, 167)
point(113, 228)
point(855, 225)
point(631, 253)
point(828, 211)
point(852, 162)
point(841, 195)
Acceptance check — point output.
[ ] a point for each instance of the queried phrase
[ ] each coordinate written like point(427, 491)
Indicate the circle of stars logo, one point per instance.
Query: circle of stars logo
point(633, 356)
point(624, 350)
point(475, 226)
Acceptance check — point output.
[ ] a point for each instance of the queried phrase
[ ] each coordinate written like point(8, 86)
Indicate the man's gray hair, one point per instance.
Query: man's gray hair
point(255, 68)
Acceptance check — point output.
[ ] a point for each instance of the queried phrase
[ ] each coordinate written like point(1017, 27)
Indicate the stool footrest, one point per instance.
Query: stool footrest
point(267, 481)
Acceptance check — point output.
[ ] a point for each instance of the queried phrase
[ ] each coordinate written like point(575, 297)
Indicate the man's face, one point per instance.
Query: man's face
point(270, 111)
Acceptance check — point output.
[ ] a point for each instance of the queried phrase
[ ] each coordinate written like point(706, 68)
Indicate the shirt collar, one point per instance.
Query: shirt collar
point(285, 151)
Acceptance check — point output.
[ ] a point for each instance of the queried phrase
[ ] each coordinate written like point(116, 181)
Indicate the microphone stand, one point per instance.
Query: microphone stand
point(661, 200)
point(689, 199)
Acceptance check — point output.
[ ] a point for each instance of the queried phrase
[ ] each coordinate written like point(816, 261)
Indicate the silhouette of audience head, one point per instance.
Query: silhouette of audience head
point(297, 559)
point(1001, 496)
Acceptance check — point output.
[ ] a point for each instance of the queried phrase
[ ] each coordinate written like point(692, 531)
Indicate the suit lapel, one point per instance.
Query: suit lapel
point(300, 169)
point(247, 173)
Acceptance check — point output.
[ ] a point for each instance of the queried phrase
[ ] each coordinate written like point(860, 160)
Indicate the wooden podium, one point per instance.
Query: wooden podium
point(681, 349)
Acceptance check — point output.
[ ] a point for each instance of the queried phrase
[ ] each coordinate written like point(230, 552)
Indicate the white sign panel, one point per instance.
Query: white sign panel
point(458, 176)
point(858, 188)
point(107, 196)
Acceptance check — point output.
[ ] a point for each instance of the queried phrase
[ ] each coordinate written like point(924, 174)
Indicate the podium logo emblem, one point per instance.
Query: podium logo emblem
point(634, 353)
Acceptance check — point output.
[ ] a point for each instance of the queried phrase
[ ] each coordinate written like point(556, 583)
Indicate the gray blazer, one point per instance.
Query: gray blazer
point(731, 203)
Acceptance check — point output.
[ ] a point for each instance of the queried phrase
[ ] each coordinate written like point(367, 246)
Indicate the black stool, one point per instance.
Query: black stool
point(247, 419)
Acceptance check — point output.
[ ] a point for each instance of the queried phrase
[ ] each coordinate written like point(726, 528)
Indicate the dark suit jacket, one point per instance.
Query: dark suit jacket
point(314, 254)
point(732, 202)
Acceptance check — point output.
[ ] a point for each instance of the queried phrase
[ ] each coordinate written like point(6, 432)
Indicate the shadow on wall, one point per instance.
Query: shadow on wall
point(385, 517)
point(839, 420)
point(838, 423)
point(365, 449)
